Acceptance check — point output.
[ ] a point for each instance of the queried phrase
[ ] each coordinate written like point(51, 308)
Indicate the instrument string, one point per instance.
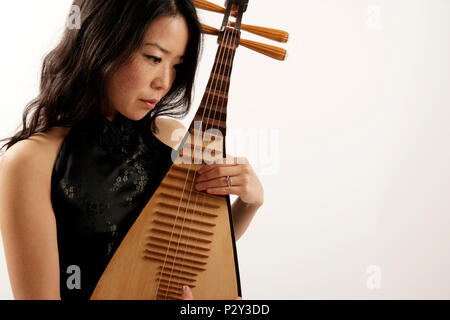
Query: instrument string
point(184, 187)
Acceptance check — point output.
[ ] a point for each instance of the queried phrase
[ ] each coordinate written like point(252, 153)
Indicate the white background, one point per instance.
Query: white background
point(359, 172)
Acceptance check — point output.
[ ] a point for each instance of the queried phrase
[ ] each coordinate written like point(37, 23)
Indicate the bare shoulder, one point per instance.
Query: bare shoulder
point(27, 221)
point(171, 131)
point(38, 151)
point(51, 138)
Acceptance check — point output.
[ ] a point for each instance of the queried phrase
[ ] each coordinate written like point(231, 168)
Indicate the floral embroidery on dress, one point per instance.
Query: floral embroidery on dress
point(119, 182)
point(113, 230)
point(68, 190)
point(91, 205)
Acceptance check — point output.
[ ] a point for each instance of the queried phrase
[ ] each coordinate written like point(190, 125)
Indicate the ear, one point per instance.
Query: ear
point(171, 132)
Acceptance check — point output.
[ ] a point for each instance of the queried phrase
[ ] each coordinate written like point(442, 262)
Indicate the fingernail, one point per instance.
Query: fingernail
point(185, 289)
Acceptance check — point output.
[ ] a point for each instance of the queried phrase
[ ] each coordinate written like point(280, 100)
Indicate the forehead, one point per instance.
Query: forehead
point(168, 33)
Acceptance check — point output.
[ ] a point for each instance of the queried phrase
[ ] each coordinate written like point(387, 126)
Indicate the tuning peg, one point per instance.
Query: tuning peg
point(266, 49)
point(206, 5)
point(209, 30)
point(273, 34)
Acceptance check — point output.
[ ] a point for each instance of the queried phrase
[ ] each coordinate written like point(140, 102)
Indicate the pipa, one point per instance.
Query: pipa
point(182, 236)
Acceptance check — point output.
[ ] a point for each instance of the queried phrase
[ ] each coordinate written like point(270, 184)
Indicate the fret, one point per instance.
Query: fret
point(213, 123)
point(222, 79)
point(222, 68)
point(216, 114)
point(215, 83)
point(224, 55)
point(219, 97)
point(209, 126)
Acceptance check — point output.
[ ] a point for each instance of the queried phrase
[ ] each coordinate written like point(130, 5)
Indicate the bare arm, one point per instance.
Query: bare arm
point(243, 214)
point(27, 222)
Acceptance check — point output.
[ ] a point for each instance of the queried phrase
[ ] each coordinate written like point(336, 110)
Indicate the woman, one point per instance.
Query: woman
point(72, 183)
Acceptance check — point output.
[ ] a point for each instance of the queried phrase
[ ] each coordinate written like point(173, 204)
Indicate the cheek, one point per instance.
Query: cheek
point(135, 76)
point(128, 83)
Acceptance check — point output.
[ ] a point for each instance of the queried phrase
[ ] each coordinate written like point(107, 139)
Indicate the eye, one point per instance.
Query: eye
point(154, 59)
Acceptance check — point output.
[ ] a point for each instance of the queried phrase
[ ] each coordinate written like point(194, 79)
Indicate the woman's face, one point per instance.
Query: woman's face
point(151, 70)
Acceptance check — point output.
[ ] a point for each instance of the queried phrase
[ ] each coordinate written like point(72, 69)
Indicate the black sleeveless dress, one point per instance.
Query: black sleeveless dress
point(104, 175)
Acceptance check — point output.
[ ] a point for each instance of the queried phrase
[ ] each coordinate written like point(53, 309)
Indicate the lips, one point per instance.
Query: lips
point(153, 101)
point(150, 103)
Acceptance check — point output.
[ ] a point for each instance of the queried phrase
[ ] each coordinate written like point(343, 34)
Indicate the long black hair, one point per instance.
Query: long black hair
point(74, 74)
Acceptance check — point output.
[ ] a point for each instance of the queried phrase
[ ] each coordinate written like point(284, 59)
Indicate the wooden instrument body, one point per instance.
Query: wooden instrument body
point(182, 237)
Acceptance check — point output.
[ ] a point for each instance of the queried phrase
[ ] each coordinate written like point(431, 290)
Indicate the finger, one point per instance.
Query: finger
point(218, 172)
point(228, 161)
point(224, 190)
point(219, 182)
point(186, 293)
point(209, 167)
point(238, 298)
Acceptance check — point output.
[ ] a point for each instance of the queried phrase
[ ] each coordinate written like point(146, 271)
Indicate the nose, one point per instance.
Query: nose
point(163, 78)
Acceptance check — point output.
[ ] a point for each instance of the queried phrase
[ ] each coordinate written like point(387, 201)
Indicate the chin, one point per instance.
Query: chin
point(136, 116)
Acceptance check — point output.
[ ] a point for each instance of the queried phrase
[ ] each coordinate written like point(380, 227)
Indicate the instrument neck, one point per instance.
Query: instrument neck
point(212, 112)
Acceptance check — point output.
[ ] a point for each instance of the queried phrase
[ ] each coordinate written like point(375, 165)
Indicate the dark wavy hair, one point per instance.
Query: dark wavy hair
point(74, 74)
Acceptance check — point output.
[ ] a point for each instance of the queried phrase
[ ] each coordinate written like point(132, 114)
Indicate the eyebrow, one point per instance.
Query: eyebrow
point(160, 48)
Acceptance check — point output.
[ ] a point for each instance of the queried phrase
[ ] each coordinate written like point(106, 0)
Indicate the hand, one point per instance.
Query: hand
point(187, 294)
point(244, 182)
